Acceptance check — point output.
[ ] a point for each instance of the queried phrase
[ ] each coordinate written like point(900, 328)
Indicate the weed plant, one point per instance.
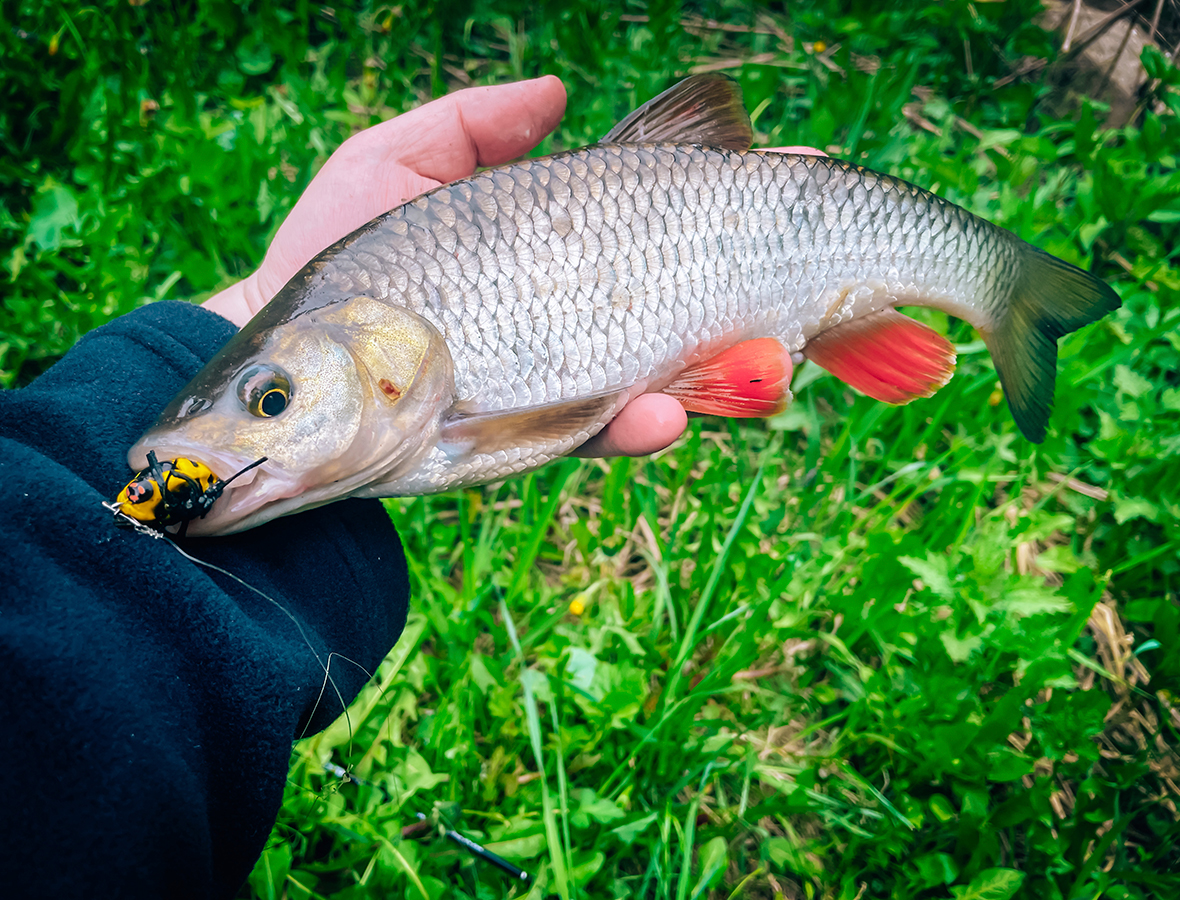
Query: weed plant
point(861, 652)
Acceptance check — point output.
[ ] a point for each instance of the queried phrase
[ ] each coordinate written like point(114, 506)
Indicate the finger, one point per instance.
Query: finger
point(482, 126)
point(647, 424)
point(383, 166)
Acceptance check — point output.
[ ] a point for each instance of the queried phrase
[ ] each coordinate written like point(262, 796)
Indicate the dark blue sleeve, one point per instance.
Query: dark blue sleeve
point(149, 704)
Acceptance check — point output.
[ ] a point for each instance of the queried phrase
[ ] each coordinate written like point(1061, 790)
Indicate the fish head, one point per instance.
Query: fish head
point(334, 399)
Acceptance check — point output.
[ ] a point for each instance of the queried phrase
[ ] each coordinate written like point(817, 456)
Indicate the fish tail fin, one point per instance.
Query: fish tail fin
point(1050, 299)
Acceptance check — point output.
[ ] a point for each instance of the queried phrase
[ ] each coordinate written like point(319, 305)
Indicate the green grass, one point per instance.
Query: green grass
point(859, 651)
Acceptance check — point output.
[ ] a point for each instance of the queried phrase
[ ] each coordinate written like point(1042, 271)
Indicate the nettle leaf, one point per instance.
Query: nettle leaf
point(585, 865)
point(1131, 382)
point(1041, 525)
point(990, 884)
point(519, 848)
point(630, 640)
point(538, 683)
point(1059, 558)
point(1033, 600)
point(1000, 137)
point(933, 572)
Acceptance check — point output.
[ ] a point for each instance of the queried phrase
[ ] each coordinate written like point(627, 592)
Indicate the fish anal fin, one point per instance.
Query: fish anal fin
point(533, 428)
point(885, 355)
point(749, 380)
point(704, 109)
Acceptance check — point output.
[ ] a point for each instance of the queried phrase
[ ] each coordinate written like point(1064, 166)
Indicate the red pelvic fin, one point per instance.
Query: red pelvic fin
point(748, 380)
point(886, 355)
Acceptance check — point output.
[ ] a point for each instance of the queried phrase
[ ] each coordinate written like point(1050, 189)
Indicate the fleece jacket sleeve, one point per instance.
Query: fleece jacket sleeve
point(148, 703)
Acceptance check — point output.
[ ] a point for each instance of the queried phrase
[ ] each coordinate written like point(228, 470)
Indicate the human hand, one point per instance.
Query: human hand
point(388, 164)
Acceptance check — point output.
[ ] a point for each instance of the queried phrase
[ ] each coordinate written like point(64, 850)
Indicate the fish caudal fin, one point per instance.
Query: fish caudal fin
point(886, 355)
point(749, 380)
point(1051, 298)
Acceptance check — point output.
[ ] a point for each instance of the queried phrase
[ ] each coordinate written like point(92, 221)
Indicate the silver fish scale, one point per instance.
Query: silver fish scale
point(619, 265)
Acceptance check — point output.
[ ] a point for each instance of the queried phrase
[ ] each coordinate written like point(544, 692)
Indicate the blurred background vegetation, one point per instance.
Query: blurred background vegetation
point(863, 652)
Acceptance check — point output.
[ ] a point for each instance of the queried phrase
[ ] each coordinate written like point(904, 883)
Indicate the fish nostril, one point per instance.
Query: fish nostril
point(193, 406)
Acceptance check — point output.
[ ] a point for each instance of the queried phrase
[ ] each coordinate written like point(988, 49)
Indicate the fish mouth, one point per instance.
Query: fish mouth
point(244, 501)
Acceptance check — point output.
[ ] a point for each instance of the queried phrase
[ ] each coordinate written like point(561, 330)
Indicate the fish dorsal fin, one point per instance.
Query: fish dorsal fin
point(533, 428)
point(751, 379)
point(703, 109)
point(886, 355)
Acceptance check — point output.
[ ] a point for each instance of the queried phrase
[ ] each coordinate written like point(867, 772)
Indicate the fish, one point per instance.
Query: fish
point(498, 322)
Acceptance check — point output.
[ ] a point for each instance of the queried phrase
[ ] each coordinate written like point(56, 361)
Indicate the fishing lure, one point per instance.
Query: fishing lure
point(172, 492)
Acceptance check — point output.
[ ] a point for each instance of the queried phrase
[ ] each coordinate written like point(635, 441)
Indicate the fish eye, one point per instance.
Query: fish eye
point(265, 391)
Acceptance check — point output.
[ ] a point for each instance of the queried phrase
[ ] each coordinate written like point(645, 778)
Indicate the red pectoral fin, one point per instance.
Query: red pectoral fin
point(749, 379)
point(886, 355)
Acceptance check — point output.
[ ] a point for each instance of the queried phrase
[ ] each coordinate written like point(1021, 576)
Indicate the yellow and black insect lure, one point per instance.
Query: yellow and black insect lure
point(173, 492)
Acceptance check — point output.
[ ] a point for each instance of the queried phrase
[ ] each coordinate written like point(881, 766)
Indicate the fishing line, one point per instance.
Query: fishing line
point(298, 625)
point(344, 774)
point(147, 530)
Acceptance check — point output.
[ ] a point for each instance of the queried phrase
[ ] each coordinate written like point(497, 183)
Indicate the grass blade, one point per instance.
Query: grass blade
point(689, 641)
point(556, 850)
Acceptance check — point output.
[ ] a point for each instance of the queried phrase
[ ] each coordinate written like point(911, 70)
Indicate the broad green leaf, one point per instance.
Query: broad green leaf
point(936, 868)
point(418, 775)
point(270, 872)
point(54, 211)
point(580, 668)
point(990, 884)
point(519, 848)
point(591, 807)
point(629, 831)
point(711, 862)
point(1127, 508)
point(586, 865)
point(960, 649)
